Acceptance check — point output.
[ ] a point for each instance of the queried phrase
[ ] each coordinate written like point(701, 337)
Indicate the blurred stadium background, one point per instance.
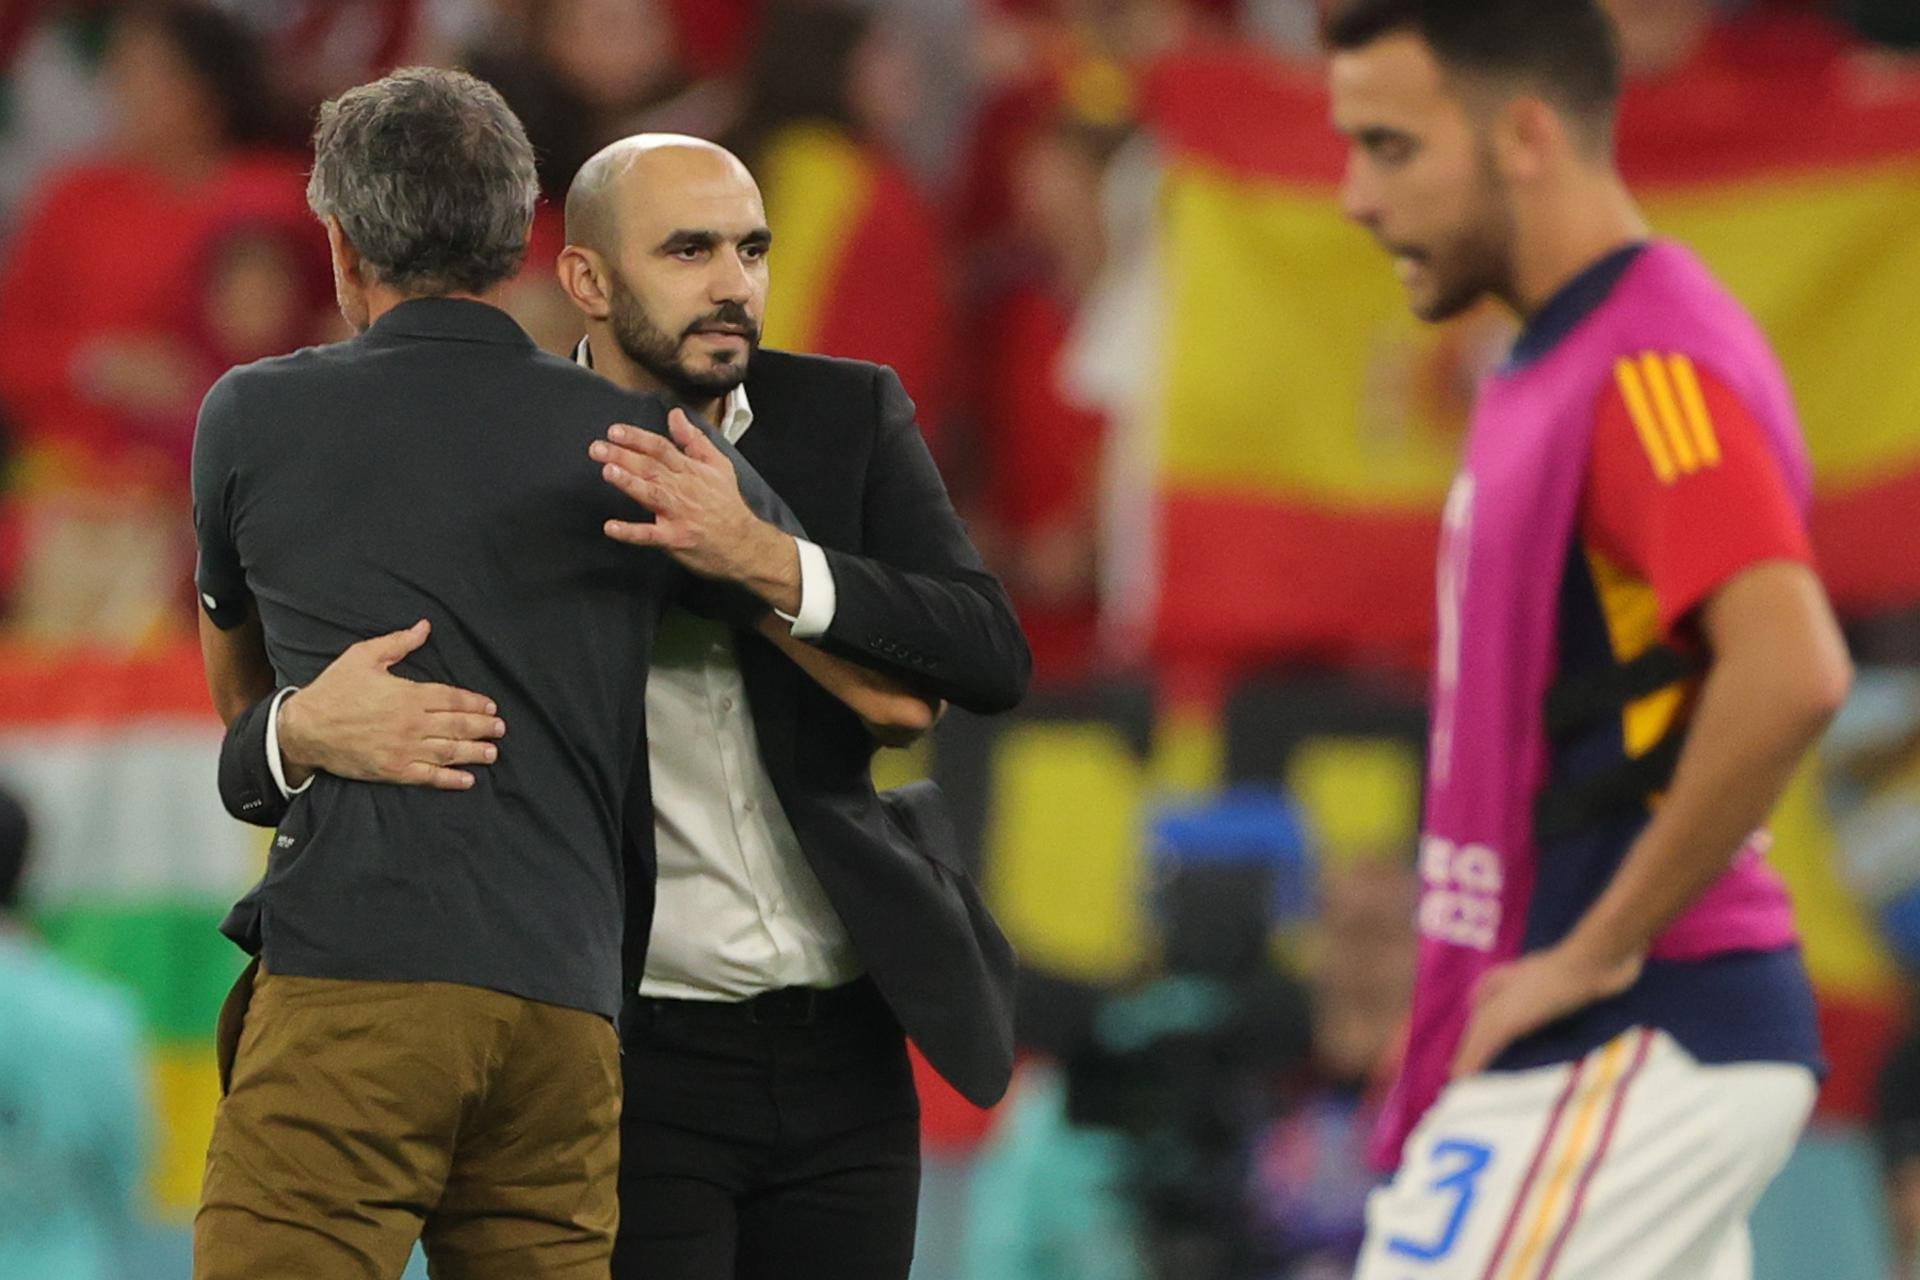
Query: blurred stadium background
point(1189, 422)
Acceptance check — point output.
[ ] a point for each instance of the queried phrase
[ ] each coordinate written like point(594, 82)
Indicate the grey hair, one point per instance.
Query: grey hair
point(431, 177)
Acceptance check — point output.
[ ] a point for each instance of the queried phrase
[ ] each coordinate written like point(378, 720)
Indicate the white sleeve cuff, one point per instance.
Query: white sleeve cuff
point(817, 598)
point(274, 764)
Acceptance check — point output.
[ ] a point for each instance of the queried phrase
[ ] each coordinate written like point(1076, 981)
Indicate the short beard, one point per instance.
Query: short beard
point(658, 352)
point(1482, 257)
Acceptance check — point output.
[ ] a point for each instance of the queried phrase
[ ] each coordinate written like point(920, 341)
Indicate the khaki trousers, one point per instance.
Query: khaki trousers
point(361, 1116)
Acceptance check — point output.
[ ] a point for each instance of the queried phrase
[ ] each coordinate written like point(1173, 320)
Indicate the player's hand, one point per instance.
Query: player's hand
point(358, 720)
point(1516, 1000)
point(699, 517)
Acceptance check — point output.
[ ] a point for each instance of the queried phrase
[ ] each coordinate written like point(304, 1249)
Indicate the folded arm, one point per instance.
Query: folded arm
point(894, 714)
point(929, 612)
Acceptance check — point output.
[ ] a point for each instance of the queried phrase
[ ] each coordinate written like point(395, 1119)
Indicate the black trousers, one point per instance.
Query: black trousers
point(779, 1138)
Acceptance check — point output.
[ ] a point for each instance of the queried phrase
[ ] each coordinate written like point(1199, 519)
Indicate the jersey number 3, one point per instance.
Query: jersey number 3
point(1468, 1160)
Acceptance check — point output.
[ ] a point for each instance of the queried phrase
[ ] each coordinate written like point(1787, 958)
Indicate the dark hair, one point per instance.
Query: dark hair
point(225, 56)
point(1566, 50)
point(799, 72)
point(1891, 22)
point(13, 850)
point(431, 177)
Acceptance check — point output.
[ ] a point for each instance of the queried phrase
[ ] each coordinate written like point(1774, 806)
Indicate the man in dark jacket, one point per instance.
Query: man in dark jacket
point(428, 1048)
point(798, 921)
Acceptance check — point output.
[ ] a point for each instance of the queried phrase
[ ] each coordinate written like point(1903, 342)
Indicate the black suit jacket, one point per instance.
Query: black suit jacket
point(837, 440)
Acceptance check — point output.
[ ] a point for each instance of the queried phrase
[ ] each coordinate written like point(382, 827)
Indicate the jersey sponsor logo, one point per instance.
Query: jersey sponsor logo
point(1460, 893)
point(1669, 412)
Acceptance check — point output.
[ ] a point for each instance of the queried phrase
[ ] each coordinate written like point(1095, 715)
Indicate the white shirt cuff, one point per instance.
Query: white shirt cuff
point(274, 764)
point(817, 599)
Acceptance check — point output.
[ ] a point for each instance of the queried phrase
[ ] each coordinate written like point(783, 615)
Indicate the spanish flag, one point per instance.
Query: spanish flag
point(857, 264)
point(1308, 426)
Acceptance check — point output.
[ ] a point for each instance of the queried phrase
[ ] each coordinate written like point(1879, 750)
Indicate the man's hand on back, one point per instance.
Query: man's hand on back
point(358, 720)
point(699, 517)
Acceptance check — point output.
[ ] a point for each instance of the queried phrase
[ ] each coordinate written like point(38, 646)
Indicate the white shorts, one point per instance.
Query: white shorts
point(1635, 1163)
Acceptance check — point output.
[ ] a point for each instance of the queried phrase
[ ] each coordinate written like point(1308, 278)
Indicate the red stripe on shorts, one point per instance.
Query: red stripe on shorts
point(1600, 1153)
point(1533, 1170)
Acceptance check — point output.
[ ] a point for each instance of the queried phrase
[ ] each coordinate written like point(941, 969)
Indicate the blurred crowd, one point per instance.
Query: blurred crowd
point(958, 189)
point(153, 231)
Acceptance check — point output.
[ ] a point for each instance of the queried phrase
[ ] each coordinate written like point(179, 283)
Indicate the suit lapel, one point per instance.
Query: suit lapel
point(761, 665)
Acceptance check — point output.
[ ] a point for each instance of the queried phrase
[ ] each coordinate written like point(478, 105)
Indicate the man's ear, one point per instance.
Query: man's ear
point(347, 262)
point(586, 280)
point(1528, 137)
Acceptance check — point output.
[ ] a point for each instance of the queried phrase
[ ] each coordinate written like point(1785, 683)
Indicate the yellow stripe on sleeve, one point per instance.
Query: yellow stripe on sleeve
point(1668, 410)
point(1631, 390)
point(1687, 383)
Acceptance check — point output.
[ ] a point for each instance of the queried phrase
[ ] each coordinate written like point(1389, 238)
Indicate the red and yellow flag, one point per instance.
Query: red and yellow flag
point(857, 265)
point(1309, 426)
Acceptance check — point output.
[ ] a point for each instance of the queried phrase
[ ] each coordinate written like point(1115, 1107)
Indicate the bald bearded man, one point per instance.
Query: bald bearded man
point(795, 923)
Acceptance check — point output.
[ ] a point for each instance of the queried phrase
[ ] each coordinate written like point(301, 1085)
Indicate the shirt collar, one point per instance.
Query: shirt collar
point(736, 414)
point(1579, 298)
point(455, 319)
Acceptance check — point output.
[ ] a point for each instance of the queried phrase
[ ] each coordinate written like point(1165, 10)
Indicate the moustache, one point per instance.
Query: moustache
point(731, 318)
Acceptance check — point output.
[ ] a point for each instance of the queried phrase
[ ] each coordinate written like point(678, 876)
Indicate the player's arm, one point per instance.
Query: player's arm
point(238, 673)
point(1778, 672)
point(1687, 493)
point(697, 491)
point(358, 720)
point(894, 714)
point(930, 614)
point(233, 648)
point(712, 513)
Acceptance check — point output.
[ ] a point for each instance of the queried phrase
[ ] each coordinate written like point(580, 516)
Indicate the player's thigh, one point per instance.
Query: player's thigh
point(1734, 1259)
point(1444, 1215)
point(533, 1193)
point(333, 1138)
point(1695, 1146)
point(1639, 1162)
point(851, 1216)
point(675, 1228)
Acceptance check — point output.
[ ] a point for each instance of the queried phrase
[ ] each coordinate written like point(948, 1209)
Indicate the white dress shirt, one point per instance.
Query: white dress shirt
point(737, 909)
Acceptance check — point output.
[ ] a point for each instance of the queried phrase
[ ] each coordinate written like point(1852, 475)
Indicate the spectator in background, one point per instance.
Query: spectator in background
point(71, 1107)
point(101, 364)
point(93, 366)
point(318, 48)
point(580, 74)
point(1683, 46)
point(259, 286)
point(862, 255)
point(53, 107)
point(1290, 28)
point(1042, 447)
point(1659, 36)
point(1311, 1175)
